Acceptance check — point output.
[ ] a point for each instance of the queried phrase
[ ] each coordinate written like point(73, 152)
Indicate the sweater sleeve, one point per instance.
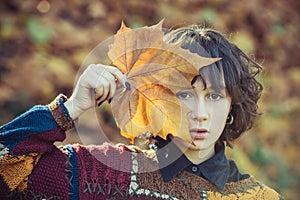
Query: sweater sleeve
point(23, 142)
point(34, 131)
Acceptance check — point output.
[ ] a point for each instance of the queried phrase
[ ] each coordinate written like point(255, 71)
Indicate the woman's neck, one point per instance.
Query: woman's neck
point(194, 154)
point(199, 156)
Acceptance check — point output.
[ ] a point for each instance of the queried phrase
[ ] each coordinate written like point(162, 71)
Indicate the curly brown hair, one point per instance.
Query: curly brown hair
point(239, 73)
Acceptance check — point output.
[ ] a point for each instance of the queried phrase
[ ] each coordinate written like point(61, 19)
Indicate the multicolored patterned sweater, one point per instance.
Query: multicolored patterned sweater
point(32, 167)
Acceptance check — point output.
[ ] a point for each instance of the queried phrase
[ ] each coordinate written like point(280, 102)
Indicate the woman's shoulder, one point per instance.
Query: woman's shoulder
point(250, 188)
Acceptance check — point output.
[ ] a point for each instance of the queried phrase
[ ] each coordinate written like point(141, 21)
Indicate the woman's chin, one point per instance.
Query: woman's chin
point(186, 145)
point(198, 144)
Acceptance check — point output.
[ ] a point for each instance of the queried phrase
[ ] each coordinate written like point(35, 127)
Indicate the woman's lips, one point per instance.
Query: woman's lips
point(198, 133)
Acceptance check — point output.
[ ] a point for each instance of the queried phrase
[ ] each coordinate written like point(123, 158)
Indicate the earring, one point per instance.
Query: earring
point(229, 119)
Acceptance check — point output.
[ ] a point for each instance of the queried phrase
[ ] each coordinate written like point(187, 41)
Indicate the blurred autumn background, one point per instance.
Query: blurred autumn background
point(43, 44)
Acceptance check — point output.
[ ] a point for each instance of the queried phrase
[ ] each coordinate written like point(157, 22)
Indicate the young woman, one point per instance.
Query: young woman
point(222, 103)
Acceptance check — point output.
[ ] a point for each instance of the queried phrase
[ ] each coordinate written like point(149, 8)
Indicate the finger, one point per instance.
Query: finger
point(103, 88)
point(103, 97)
point(119, 76)
point(99, 103)
point(111, 81)
point(116, 73)
point(100, 82)
point(98, 93)
point(112, 84)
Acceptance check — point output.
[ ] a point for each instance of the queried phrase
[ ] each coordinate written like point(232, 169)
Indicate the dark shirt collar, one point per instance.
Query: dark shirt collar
point(218, 169)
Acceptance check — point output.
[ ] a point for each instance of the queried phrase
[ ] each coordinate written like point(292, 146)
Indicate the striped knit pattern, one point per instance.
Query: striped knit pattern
point(32, 167)
point(98, 179)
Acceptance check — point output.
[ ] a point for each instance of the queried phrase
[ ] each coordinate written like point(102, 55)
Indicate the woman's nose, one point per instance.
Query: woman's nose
point(200, 112)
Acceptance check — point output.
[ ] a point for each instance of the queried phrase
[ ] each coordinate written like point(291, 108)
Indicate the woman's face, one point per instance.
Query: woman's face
point(209, 109)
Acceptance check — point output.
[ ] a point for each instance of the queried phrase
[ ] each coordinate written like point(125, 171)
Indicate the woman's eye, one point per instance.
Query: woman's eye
point(215, 97)
point(184, 95)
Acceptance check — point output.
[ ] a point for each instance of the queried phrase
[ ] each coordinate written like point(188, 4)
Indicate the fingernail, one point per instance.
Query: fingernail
point(128, 86)
point(99, 104)
point(109, 100)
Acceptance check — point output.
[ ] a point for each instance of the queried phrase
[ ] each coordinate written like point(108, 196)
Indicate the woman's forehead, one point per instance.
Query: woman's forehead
point(211, 80)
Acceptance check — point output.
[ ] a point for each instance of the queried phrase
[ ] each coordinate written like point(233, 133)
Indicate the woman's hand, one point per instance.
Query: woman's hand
point(97, 84)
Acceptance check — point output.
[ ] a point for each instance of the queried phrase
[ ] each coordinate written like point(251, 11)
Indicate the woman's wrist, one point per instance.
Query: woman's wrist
point(74, 112)
point(61, 113)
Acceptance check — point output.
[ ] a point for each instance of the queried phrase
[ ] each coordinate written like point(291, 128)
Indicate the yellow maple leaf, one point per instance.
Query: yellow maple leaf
point(155, 71)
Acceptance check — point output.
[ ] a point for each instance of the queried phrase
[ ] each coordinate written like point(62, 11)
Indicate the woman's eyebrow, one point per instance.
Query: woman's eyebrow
point(187, 90)
point(219, 88)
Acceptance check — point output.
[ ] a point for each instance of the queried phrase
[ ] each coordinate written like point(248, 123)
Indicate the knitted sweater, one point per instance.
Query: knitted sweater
point(32, 167)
